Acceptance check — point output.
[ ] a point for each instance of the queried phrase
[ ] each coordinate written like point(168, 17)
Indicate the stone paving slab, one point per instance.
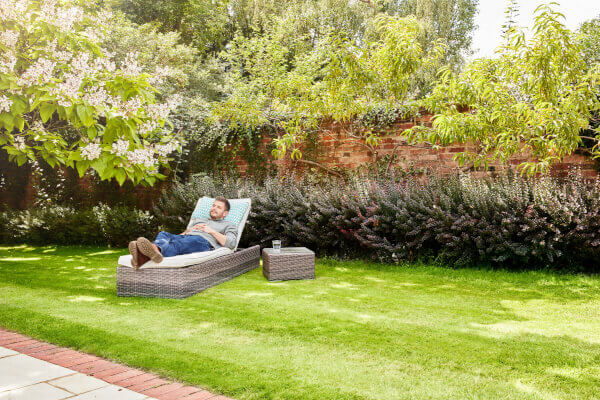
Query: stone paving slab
point(32, 370)
point(20, 370)
point(78, 383)
point(38, 391)
point(6, 352)
point(111, 392)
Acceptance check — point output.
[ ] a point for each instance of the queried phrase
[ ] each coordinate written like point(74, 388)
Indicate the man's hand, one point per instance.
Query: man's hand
point(220, 238)
point(204, 228)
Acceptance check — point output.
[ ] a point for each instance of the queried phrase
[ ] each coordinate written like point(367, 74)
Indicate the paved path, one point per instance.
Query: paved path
point(34, 370)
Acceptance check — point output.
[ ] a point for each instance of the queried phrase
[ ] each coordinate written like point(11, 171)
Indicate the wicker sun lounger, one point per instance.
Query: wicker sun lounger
point(183, 281)
point(178, 283)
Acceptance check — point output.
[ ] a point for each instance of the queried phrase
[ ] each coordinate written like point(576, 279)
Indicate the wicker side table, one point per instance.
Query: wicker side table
point(289, 263)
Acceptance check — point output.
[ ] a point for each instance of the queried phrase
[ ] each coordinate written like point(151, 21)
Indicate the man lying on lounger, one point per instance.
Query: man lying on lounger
point(201, 235)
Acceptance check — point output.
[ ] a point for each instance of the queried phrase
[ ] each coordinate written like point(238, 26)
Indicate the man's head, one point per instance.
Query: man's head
point(220, 208)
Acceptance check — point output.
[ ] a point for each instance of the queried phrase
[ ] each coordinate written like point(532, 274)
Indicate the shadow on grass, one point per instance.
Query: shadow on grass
point(410, 326)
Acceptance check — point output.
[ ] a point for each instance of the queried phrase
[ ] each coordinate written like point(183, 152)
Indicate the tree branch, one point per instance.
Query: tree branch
point(316, 164)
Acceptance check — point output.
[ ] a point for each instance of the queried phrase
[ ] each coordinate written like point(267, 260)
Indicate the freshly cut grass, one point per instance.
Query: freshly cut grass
point(359, 331)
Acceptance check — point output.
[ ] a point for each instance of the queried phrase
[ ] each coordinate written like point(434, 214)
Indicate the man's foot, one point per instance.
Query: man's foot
point(133, 250)
point(148, 248)
point(142, 259)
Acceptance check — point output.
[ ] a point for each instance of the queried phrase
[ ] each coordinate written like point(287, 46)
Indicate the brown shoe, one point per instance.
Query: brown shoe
point(142, 259)
point(133, 250)
point(147, 248)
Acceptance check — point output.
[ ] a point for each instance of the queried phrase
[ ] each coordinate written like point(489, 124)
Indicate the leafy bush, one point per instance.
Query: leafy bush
point(508, 221)
point(119, 225)
point(64, 225)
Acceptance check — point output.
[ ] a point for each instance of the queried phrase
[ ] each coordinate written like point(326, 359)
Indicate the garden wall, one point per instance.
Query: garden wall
point(333, 148)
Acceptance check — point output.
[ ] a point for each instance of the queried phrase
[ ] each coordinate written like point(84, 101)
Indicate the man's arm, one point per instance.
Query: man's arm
point(226, 239)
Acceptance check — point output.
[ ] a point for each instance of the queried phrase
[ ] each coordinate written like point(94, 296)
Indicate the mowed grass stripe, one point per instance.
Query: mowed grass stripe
point(359, 331)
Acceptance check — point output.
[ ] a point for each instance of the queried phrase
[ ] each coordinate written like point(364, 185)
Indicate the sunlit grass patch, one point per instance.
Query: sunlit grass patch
point(358, 331)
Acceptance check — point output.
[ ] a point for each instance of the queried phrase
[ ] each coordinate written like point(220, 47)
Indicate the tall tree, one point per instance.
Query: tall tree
point(450, 20)
point(534, 98)
point(340, 79)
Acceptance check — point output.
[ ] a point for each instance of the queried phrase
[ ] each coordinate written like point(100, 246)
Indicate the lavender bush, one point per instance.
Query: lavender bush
point(508, 221)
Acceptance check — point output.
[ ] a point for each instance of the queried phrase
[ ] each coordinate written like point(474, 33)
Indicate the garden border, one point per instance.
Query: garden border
point(117, 374)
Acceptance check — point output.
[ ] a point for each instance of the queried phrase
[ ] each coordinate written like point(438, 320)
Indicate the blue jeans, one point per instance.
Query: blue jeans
point(174, 245)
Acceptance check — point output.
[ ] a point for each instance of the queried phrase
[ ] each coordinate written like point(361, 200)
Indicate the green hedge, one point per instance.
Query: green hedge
point(114, 226)
point(508, 221)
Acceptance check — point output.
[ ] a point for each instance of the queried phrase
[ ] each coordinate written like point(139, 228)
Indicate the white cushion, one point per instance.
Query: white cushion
point(238, 214)
point(179, 261)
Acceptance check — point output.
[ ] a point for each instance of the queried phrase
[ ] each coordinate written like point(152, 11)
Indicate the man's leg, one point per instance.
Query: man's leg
point(163, 240)
point(185, 244)
point(192, 244)
point(170, 245)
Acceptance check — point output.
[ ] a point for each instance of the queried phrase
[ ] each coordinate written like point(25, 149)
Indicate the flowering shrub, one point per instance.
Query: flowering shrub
point(56, 77)
point(508, 222)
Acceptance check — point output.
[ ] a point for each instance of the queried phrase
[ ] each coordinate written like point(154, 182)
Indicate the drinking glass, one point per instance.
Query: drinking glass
point(277, 246)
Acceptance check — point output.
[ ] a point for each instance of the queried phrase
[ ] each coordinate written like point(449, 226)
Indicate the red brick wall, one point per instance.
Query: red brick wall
point(336, 149)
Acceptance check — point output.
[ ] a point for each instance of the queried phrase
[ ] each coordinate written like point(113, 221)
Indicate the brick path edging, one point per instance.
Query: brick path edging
point(133, 379)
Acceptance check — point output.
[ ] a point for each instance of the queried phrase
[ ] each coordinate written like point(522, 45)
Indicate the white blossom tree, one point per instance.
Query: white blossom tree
point(63, 98)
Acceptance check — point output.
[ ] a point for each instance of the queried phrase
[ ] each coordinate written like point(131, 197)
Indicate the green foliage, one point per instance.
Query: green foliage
point(119, 225)
point(201, 23)
point(509, 221)
point(449, 20)
point(57, 224)
point(339, 79)
point(590, 40)
point(63, 99)
point(534, 98)
point(65, 225)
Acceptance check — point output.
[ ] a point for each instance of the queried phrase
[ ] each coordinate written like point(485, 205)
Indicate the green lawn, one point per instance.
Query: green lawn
point(359, 331)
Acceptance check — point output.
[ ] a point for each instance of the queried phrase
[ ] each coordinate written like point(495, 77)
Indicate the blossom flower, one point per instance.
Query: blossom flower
point(94, 34)
point(38, 126)
point(107, 62)
point(174, 101)
point(159, 74)
point(147, 127)
point(143, 157)
point(164, 150)
point(9, 38)
point(70, 86)
point(131, 106)
point(39, 72)
point(80, 66)
point(9, 60)
point(5, 104)
point(158, 110)
point(96, 98)
point(130, 65)
point(11, 10)
point(91, 151)
point(19, 143)
point(120, 147)
point(64, 19)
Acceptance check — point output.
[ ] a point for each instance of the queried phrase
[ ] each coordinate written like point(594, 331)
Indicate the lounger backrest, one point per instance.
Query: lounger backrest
point(238, 214)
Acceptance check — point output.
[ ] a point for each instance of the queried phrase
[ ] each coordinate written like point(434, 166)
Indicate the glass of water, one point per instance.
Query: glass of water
point(277, 246)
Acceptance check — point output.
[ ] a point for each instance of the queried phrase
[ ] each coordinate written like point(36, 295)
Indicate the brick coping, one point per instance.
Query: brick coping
point(116, 374)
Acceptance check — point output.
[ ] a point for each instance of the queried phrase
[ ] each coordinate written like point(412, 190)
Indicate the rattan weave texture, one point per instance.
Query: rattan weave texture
point(290, 263)
point(178, 283)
